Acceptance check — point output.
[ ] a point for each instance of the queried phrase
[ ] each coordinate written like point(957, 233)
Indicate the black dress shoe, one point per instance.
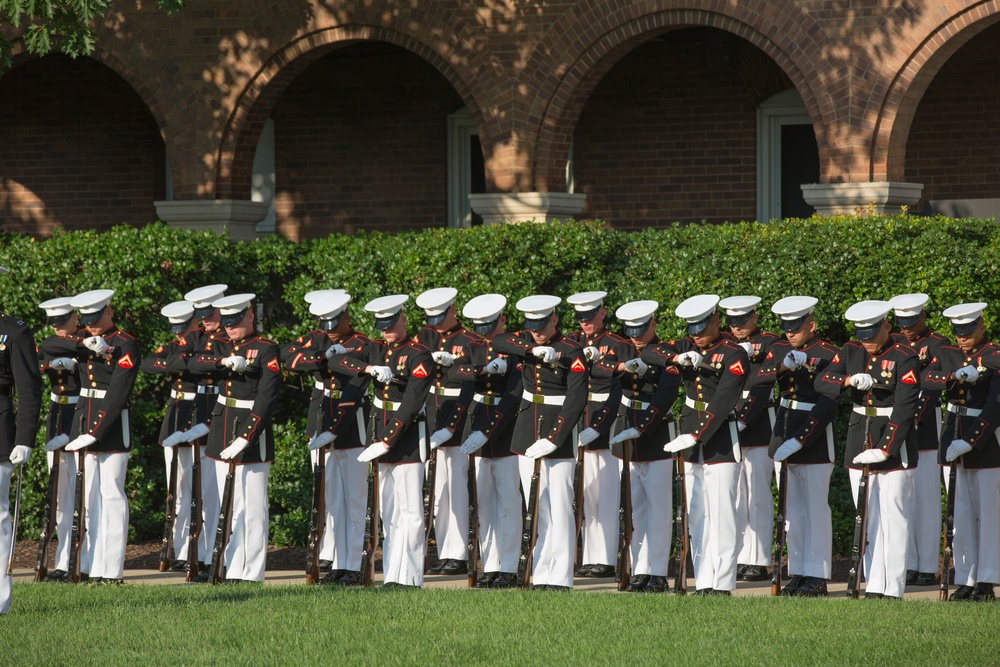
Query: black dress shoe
point(983, 592)
point(584, 570)
point(484, 580)
point(756, 573)
point(812, 587)
point(793, 585)
point(716, 591)
point(93, 581)
point(911, 577)
point(656, 585)
point(332, 577)
point(325, 565)
point(602, 571)
point(109, 582)
point(395, 586)
point(564, 589)
point(740, 570)
point(961, 593)
point(637, 583)
point(504, 580)
point(874, 596)
point(202, 576)
point(703, 591)
point(56, 575)
point(179, 566)
point(436, 568)
point(453, 566)
point(926, 579)
point(538, 587)
point(349, 578)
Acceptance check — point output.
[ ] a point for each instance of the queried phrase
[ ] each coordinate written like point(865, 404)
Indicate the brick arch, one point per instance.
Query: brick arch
point(437, 44)
point(569, 68)
point(935, 40)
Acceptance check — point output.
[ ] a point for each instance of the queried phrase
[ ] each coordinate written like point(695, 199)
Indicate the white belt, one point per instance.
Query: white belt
point(444, 391)
point(634, 405)
point(600, 398)
point(540, 399)
point(181, 395)
point(64, 399)
point(700, 406)
point(493, 399)
point(319, 384)
point(796, 405)
point(961, 410)
point(208, 389)
point(745, 393)
point(388, 406)
point(872, 412)
point(235, 403)
point(93, 393)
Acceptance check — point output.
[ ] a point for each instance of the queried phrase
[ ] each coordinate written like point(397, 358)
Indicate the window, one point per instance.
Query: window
point(466, 169)
point(787, 157)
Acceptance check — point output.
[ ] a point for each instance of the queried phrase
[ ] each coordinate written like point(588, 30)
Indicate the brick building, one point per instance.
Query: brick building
point(303, 117)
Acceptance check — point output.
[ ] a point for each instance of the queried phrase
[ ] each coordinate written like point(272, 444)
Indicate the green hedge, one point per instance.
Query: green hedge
point(839, 260)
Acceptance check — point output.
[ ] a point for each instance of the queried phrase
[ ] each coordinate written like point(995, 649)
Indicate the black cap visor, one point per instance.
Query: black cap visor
point(737, 320)
point(904, 321)
point(694, 328)
point(531, 324)
point(792, 325)
point(431, 320)
point(179, 327)
point(203, 312)
point(967, 328)
point(234, 319)
point(584, 315)
point(90, 318)
point(383, 323)
point(637, 330)
point(485, 327)
point(329, 324)
point(56, 320)
point(869, 331)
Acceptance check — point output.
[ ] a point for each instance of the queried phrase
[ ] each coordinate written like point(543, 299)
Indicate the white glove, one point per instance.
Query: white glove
point(592, 353)
point(234, 449)
point(321, 440)
point(862, 381)
point(19, 454)
point(689, 358)
point(794, 359)
point(748, 348)
point(381, 374)
point(63, 364)
point(439, 437)
point(787, 448)
point(541, 448)
point(496, 367)
point(96, 344)
point(967, 374)
point(80, 442)
point(442, 358)
point(57, 442)
point(627, 434)
point(870, 456)
point(636, 366)
point(587, 436)
point(195, 432)
point(336, 348)
point(683, 441)
point(473, 443)
point(174, 438)
point(235, 364)
point(545, 354)
point(373, 451)
point(955, 449)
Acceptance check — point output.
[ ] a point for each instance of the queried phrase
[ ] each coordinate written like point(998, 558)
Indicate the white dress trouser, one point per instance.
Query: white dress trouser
point(553, 556)
point(977, 526)
point(601, 498)
point(6, 472)
point(64, 505)
point(808, 521)
point(182, 499)
point(402, 501)
point(711, 491)
point(924, 552)
point(346, 502)
point(246, 551)
point(498, 494)
point(213, 475)
point(652, 516)
point(451, 503)
point(107, 515)
point(755, 508)
point(888, 530)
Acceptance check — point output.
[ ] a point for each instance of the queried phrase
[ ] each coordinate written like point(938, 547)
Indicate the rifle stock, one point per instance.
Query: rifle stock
point(217, 571)
point(680, 527)
point(578, 500)
point(947, 550)
point(194, 524)
point(860, 544)
point(473, 564)
point(48, 519)
point(625, 519)
point(530, 529)
point(170, 515)
point(316, 517)
point(371, 528)
point(778, 550)
point(79, 529)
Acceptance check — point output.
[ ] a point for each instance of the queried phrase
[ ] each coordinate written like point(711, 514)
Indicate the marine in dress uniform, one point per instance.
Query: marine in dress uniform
point(403, 372)
point(601, 471)
point(179, 416)
point(341, 414)
point(967, 372)
point(64, 394)
point(498, 388)
point(447, 407)
point(646, 420)
point(754, 421)
point(248, 369)
point(19, 376)
point(713, 369)
point(109, 363)
point(554, 375)
point(924, 552)
point(802, 440)
point(883, 377)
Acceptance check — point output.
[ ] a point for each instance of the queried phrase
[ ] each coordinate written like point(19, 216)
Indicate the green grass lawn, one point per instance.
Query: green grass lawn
point(281, 625)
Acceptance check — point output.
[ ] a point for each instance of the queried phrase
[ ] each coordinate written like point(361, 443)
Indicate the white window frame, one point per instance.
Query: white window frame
point(784, 108)
point(461, 129)
point(262, 183)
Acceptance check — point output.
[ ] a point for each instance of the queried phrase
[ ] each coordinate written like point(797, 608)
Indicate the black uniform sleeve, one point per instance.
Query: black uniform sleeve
point(127, 360)
point(28, 383)
point(267, 395)
point(412, 402)
point(576, 398)
point(734, 373)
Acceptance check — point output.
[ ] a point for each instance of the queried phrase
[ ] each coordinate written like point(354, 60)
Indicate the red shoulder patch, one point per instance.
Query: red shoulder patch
point(272, 365)
point(737, 368)
point(420, 371)
point(836, 359)
point(909, 378)
point(673, 369)
point(578, 366)
point(126, 361)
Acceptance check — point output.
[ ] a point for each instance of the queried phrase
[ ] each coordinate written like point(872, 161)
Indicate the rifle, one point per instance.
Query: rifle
point(949, 534)
point(680, 527)
point(217, 570)
point(316, 517)
point(860, 523)
point(17, 516)
point(194, 526)
point(170, 515)
point(778, 545)
point(431, 482)
point(578, 500)
point(79, 529)
point(48, 519)
point(625, 520)
point(473, 563)
point(530, 531)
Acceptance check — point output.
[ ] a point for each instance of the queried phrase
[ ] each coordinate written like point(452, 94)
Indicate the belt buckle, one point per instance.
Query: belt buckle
point(871, 412)
point(700, 406)
point(230, 402)
point(537, 398)
point(180, 396)
point(62, 400)
point(334, 393)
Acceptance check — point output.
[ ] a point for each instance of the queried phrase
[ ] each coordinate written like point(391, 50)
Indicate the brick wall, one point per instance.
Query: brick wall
point(670, 132)
point(78, 149)
point(361, 143)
